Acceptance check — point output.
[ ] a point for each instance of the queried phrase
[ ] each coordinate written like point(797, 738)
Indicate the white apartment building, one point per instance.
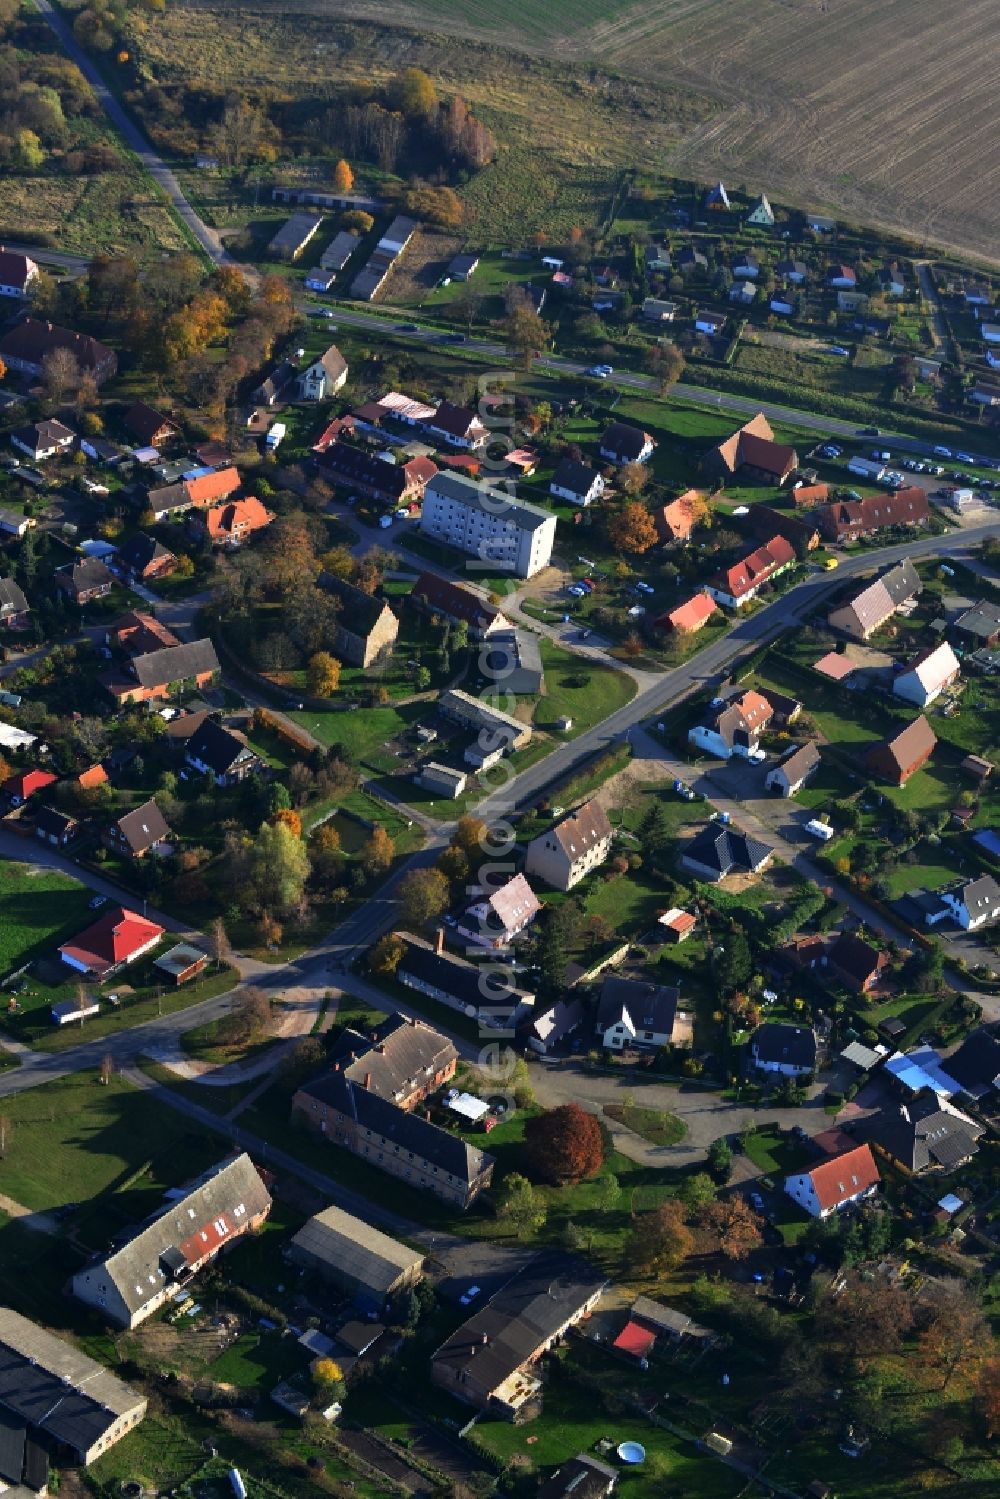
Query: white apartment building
point(505, 533)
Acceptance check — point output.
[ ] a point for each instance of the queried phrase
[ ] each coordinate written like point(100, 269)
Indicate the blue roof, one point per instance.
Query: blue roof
point(922, 1069)
point(987, 839)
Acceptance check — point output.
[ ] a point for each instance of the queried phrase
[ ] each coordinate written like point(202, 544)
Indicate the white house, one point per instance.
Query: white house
point(710, 322)
point(17, 272)
point(631, 1013)
point(927, 675)
point(974, 903)
point(733, 727)
point(793, 772)
point(44, 439)
point(789, 1050)
point(835, 1183)
point(324, 377)
point(576, 482)
point(497, 917)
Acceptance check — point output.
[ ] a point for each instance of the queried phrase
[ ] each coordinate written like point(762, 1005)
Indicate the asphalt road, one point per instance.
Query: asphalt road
point(695, 395)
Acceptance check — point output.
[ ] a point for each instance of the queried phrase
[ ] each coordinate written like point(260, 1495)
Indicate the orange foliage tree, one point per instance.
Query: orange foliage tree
point(564, 1144)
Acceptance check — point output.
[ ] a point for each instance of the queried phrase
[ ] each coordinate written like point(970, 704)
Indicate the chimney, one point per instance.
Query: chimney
point(368, 1080)
point(486, 1338)
point(439, 940)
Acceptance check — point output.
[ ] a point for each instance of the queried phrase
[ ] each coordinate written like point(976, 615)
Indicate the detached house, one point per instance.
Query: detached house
point(17, 272)
point(140, 832)
point(232, 523)
point(927, 1133)
point(568, 851)
point(576, 482)
point(85, 579)
point(836, 1183)
point(221, 753)
point(14, 611)
point(856, 963)
point(676, 521)
point(751, 453)
point(794, 770)
point(623, 444)
point(733, 726)
point(154, 673)
point(690, 616)
point(973, 903)
point(148, 427)
point(324, 377)
point(789, 1050)
point(25, 346)
point(718, 851)
point(891, 280)
point(761, 213)
point(142, 556)
point(902, 756)
point(17, 788)
point(118, 938)
point(456, 427)
point(496, 918)
point(927, 675)
point(631, 1013)
point(739, 584)
point(842, 276)
point(41, 440)
point(366, 627)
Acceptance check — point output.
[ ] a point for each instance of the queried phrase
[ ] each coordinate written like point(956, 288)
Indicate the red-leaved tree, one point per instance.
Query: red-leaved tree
point(564, 1145)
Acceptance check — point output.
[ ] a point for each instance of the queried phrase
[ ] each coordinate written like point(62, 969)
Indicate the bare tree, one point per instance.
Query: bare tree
point(107, 1068)
point(61, 372)
point(220, 949)
point(5, 1132)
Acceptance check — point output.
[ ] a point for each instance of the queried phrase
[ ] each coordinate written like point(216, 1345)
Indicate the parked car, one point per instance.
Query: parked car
point(942, 452)
point(470, 1295)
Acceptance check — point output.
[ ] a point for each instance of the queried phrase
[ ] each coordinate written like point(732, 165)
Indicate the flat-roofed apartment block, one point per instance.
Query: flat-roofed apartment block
point(219, 1208)
point(55, 1402)
point(568, 851)
point(503, 532)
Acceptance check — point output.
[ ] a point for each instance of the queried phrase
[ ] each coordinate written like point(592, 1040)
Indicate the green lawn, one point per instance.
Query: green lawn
point(364, 732)
point(39, 908)
point(658, 1126)
point(775, 1153)
point(257, 1361)
point(585, 691)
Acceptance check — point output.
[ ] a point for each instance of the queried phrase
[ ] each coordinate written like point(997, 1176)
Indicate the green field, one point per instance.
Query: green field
point(585, 691)
point(39, 908)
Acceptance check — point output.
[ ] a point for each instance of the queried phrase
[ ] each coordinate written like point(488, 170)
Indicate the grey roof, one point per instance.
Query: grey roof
point(792, 1044)
point(520, 1319)
point(217, 747)
point(395, 1059)
point(649, 1007)
point(574, 476)
point(922, 1133)
point(356, 1250)
point(901, 582)
point(475, 988)
point(175, 663)
point(580, 1477)
point(135, 1269)
point(12, 600)
point(558, 1021)
point(976, 1063)
point(800, 762)
point(982, 620)
point(140, 550)
point(295, 231)
point(339, 251)
point(624, 441)
point(492, 502)
point(982, 894)
point(580, 829)
point(86, 572)
point(359, 612)
point(55, 1389)
point(144, 827)
point(726, 849)
point(180, 958)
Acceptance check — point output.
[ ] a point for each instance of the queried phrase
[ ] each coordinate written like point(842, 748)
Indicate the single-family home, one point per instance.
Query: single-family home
point(222, 754)
point(14, 610)
point(716, 199)
point(149, 428)
point(275, 384)
point(489, 1362)
point(841, 275)
point(732, 726)
point(976, 1065)
point(657, 257)
point(155, 673)
point(143, 557)
point(977, 294)
point(855, 963)
point(574, 846)
point(22, 784)
point(891, 279)
point(789, 1050)
point(761, 214)
point(221, 1207)
point(980, 625)
point(15, 523)
point(56, 828)
point(900, 757)
point(551, 1029)
point(323, 378)
point(140, 832)
point(791, 773)
point(694, 614)
point(656, 310)
point(927, 675)
point(366, 628)
point(17, 272)
point(926, 1133)
point(751, 453)
point(232, 523)
point(25, 346)
point(84, 579)
point(746, 266)
point(42, 440)
point(740, 583)
point(115, 940)
point(496, 917)
point(195, 493)
point(795, 271)
point(576, 482)
point(835, 1183)
point(973, 903)
point(459, 605)
point(676, 521)
point(457, 427)
point(631, 1013)
point(877, 602)
point(623, 444)
point(709, 322)
point(717, 851)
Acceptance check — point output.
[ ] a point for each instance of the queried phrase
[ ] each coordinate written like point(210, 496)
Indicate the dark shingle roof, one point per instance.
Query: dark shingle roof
point(216, 747)
point(12, 600)
point(574, 476)
point(143, 827)
point(140, 550)
point(726, 849)
point(360, 612)
point(650, 1007)
point(793, 1044)
point(175, 663)
point(624, 441)
point(86, 572)
point(471, 986)
point(920, 1133)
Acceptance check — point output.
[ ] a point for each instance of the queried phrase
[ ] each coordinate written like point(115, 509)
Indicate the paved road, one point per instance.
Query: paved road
point(135, 140)
point(695, 395)
point(77, 264)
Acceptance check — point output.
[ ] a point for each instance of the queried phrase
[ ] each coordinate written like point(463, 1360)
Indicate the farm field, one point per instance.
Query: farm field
point(780, 97)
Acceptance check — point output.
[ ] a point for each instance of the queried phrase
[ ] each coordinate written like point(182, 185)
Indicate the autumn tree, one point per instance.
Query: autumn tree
point(633, 478)
point(564, 1144)
point(377, 853)
point(343, 177)
point(323, 674)
point(290, 819)
point(327, 1375)
point(524, 330)
point(952, 1327)
point(867, 1320)
point(412, 92)
point(387, 954)
point(423, 895)
point(358, 221)
point(518, 1205)
point(279, 868)
point(219, 946)
point(987, 1382)
point(631, 528)
point(454, 865)
point(660, 1240)
point(60, 372)
point(734, 1225)
point(249, 1017)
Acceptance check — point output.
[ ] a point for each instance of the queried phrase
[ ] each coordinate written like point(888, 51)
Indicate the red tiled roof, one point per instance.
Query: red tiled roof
point(691, 615)
point(26, 782)
point(420, 469)
point(116, 938)
point(635, 1340)
point(94, 775)
point(237, 517)
point(842, 1177)
point(756, 567)
point(208, 488)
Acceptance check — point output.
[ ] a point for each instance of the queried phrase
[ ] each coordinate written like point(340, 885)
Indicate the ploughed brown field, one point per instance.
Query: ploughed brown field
point(882, 111)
